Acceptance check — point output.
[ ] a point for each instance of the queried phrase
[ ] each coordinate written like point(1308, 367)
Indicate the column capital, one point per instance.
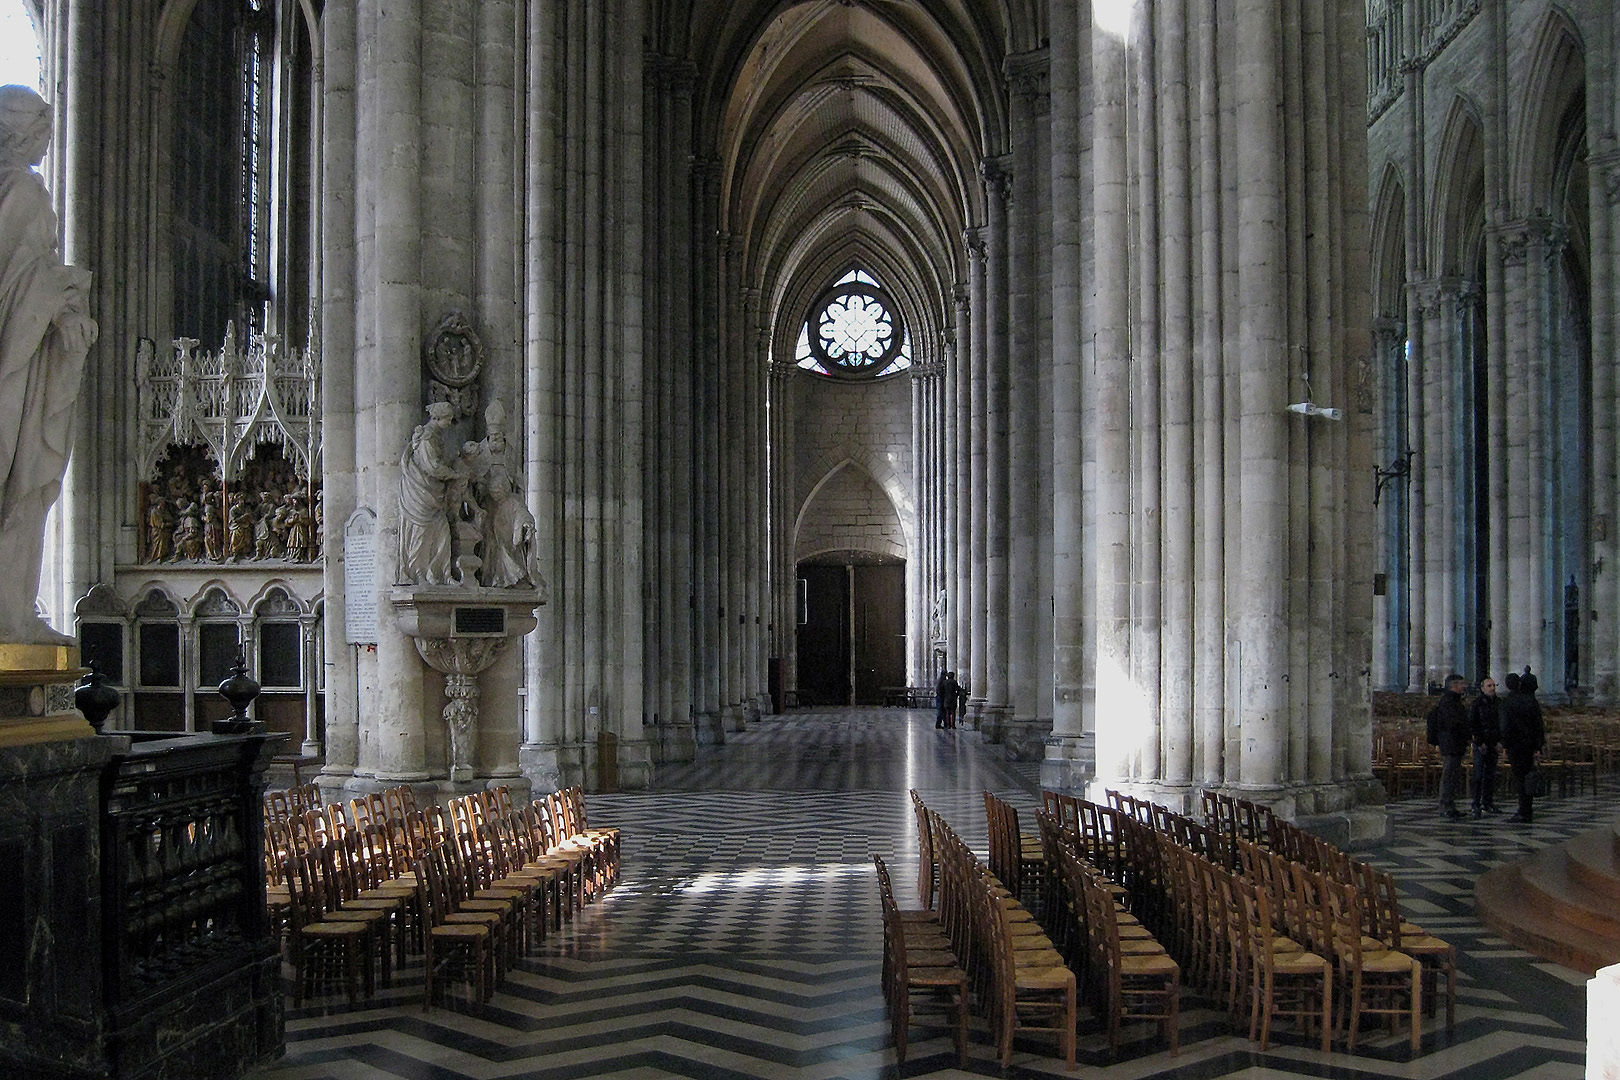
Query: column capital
point(996, 174)
point(963, 297)
point(1516, 238)
point(1027, 74)
point(973, 241)
point(1607, 167)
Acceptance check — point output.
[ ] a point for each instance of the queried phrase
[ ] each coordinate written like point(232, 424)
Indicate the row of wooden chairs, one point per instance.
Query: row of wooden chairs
point(1019, 979)
point(1012, 974)
point(1174, 868)
point(517, 872)
point(1126, 973)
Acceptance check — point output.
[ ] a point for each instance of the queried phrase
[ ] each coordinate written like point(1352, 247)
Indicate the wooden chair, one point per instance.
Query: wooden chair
point(1291, 982)
point(1143, 984)
point(1380, 982)
point(916, 975)
point(465, 947)
point(1031, 993)
point(322, 950)
point(1380, 898)
point(927, 862)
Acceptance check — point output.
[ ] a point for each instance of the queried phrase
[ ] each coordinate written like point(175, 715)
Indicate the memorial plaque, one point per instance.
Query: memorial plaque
point(360, 578)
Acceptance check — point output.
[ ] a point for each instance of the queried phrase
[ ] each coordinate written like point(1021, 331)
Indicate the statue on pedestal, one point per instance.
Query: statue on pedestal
point(425, 474)
point(508, 527)
point(45, 333)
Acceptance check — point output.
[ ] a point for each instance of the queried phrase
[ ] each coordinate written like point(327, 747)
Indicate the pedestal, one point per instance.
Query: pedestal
point(36, 694)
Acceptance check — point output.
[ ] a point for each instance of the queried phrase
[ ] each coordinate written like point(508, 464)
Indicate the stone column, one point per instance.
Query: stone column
point(339, 476)
point(1146, 600)
point(997, 180)
point(978, 436)
point(961, 520)
point(1028, 657)
point(496, 299)
point(1259, 594)
point(1604, 242)
point(1117, 706)
point(1178, 393)
point(1212, 684)
point(1070, 756)
point(395, 708)
point(542, 284)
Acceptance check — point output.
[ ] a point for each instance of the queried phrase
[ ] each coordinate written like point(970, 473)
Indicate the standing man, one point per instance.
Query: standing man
point(1485, 725)
point(1524, 733)
point(945, 700)
point(1448, 729)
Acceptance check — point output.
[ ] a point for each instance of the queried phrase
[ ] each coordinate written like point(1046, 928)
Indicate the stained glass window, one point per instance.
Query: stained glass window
point(854, 329)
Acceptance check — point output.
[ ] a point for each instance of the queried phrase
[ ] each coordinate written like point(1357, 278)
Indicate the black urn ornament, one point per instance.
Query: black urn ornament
point(239, 690)
point(95, 697)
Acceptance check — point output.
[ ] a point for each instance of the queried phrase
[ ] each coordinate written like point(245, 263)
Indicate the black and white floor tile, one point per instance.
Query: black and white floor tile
point(744, 939)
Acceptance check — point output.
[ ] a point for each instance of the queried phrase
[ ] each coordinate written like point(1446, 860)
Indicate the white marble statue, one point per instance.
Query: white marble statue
point(45, 333)
point(507, 526)
point(425, 473)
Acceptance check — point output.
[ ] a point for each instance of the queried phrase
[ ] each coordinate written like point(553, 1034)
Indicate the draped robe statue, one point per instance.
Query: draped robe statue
point(45, 333)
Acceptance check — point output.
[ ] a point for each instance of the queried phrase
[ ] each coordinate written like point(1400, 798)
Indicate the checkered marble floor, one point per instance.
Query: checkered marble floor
point(744, 939)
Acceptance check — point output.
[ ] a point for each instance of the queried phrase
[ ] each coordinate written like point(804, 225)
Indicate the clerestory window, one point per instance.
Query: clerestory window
point(854, 329)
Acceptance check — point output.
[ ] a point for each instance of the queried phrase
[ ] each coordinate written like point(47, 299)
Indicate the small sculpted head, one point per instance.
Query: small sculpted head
point(25, 126)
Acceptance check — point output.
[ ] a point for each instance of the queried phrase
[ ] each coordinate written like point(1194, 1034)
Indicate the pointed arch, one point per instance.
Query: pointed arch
point(1458, 221)
point(1554, 90)
point(1389, 246)
point(870, 514)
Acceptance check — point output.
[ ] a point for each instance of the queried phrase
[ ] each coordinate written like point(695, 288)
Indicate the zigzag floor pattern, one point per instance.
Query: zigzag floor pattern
point(743, 941)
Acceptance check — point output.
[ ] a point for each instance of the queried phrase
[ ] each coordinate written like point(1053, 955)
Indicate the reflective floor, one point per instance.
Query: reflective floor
point(744, 938)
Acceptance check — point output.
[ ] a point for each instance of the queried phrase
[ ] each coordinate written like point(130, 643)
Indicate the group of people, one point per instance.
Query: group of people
point(950, 697)
point(1511, 722)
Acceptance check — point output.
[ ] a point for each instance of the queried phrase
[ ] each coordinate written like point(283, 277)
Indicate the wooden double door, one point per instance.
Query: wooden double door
point(852, 632)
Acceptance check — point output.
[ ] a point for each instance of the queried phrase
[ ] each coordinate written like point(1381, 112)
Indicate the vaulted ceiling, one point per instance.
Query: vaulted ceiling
point(850, 132)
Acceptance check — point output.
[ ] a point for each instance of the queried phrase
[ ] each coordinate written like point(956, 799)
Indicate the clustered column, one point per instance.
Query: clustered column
point(1208, 536)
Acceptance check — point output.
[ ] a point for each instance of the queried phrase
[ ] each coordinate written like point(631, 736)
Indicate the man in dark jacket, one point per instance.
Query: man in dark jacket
point(1448, 723)
point(1485, 725)
point(1524, 734)
point(945, 700)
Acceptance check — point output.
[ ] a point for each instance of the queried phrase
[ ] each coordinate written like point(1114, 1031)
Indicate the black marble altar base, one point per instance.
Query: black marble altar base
point(133, 939)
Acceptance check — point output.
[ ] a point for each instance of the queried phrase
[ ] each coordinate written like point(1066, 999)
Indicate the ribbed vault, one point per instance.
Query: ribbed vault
point(849, 133)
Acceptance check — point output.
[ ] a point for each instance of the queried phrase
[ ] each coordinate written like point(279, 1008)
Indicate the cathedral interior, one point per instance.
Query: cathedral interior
point(658, 396)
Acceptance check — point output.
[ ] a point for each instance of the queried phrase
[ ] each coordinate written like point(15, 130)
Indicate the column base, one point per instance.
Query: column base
point(972, 716)
point(993, 720)
point(1070, 763)
point(676, 743)
point(635, 765)
point(1025, 740)
point(733, 718)
point(709, 729)
point(542, 764)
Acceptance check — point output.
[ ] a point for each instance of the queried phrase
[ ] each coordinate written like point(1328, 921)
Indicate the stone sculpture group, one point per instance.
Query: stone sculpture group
point(210, 526)
point(462, 519)
point(45, 334)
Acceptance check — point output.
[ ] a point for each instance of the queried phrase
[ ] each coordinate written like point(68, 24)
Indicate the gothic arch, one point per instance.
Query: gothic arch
point(862, 475)
point(1389, 247)
point(1556, 85)
point(1459, 197)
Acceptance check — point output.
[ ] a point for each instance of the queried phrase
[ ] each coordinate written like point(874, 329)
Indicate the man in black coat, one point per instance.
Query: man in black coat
point(1448, 727)
point(1485, 725)
point(945, 700)
point(1524, 734)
